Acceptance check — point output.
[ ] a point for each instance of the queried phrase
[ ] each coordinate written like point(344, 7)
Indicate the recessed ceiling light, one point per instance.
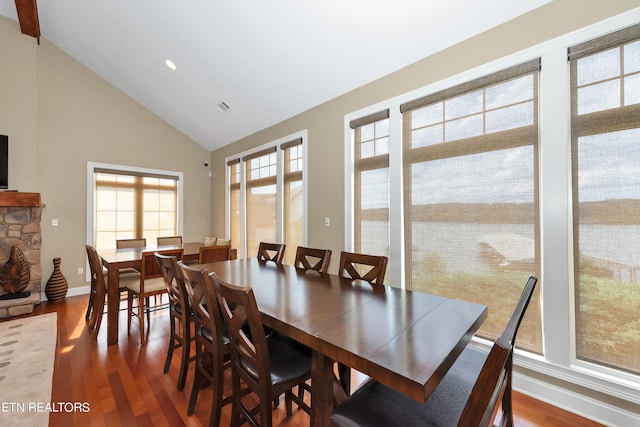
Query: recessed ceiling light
point(169, 63)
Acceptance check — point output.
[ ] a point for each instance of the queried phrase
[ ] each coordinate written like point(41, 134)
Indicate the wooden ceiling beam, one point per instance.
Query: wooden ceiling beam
point(28, 18)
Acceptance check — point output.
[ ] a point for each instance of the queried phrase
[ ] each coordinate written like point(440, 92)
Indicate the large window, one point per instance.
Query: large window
point(371, 184)
point(515, 167)
point(266, 197)
point(133, 204)
point(605, 94)
point(470, 192)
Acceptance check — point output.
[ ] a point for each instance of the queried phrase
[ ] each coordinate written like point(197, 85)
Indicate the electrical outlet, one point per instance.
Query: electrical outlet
point(80, 270)
point(327, 221)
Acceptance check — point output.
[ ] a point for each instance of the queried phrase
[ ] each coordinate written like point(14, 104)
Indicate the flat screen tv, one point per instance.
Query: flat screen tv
point(4, 161)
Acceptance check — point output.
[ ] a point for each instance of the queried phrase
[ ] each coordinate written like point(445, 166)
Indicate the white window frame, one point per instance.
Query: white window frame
point(555, 195)
point(91, 191)
point(279, 188)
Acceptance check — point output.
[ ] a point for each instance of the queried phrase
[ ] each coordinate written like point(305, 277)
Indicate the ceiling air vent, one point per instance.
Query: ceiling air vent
point(223, 107)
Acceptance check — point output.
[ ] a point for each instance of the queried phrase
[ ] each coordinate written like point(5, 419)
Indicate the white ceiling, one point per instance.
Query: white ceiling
point(268, 60)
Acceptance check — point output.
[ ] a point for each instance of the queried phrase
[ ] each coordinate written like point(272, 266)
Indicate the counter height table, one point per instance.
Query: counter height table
point(406, 340)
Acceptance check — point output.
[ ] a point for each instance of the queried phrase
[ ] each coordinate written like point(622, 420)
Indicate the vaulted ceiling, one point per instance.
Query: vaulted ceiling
point(267, 60)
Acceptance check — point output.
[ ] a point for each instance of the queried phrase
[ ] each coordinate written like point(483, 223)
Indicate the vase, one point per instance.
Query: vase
point(56, 288)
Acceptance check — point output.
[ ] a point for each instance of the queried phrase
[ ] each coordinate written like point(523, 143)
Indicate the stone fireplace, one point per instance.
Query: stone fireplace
point(20, 215)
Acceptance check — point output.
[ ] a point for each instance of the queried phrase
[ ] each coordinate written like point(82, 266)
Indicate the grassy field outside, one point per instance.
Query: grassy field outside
point(499, 291)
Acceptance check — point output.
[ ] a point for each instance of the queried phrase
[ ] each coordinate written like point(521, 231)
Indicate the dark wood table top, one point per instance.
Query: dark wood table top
point(406, 340)
point(131, 257)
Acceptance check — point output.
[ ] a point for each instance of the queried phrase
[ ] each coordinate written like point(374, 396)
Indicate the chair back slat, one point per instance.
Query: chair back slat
point(240, 313)
point(202, 297)
point(352, 265)
point(271, 252)
point(492, 389)
point(131, 243)
point(168, 266)
point(98, 290)
point(312, 259)
point(169, 240)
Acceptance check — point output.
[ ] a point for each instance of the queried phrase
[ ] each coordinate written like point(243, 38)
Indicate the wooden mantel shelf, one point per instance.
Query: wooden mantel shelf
point(18, 198)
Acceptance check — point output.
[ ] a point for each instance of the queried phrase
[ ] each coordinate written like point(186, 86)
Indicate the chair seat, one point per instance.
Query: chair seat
point(206, 333)
point(288, 360)
point(150, 285)
point(375, 404)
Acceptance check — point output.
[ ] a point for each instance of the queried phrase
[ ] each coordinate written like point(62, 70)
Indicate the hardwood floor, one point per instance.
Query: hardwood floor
point(124, 385)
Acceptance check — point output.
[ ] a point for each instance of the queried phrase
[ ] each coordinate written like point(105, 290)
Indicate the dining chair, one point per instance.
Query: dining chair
point(97, 292)
point(130, 243)
point(271, 252)
point(312, 259)
point(269, 365)
point(212, 340)
point(355, 266)
point(151, 283)
point(169, 241)
point(475, 389)
point(214, 254)
point(180, 315)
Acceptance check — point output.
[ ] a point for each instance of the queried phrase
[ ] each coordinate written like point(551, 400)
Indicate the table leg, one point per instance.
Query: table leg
point(321, 389)
point(113, 306)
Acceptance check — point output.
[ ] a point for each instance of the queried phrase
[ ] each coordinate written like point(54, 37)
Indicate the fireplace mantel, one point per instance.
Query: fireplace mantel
point(20, 199)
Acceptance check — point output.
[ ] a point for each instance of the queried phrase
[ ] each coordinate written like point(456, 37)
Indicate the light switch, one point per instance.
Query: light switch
point(54, 222)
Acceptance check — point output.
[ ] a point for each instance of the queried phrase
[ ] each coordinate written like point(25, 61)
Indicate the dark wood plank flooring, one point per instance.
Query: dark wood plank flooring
point(124, 385)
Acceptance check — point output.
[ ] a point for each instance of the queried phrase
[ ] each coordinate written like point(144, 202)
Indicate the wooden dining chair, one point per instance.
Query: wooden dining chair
point(180, 315)
point(97, 292)
point(370, 268)
point(271, 252)
point(169, 241)
point(477, 386)
point(126, 244)
point(151, 283)
point(269, 365)
point(212, 341)
point(214, 254)
point(312, 259)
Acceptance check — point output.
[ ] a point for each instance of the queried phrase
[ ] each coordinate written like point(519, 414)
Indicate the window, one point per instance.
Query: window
point(470, 192)
point(293, 198)
point(266, 197)
point(371, 184)
point(132, 204)
point(261, 202)
point(235, 205)
point(605, 95)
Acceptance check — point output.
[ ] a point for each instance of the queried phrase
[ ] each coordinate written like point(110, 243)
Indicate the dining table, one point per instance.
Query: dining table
point(115, 260)
point(406, 340)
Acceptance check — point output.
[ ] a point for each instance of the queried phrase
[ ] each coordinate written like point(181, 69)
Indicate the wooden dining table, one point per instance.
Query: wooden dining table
point(115, 260)
point(403, 339)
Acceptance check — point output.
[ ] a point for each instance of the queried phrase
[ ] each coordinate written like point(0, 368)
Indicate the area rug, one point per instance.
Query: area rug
point(27, 353)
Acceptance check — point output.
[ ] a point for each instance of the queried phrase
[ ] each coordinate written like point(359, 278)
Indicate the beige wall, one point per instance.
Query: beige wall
point(59, 115)
point(325, 123)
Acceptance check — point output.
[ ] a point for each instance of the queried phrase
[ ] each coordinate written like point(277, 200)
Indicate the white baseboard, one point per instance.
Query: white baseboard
point(72, 292)
point(576, 403)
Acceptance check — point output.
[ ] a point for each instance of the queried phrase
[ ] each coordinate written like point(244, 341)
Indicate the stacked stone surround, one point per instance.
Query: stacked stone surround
point(20, 226)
